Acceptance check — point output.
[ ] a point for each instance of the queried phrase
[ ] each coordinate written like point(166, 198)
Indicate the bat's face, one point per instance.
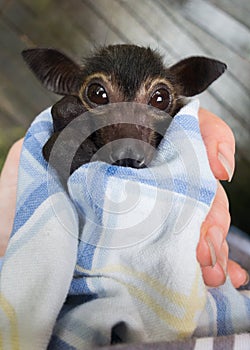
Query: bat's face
point(119, 73)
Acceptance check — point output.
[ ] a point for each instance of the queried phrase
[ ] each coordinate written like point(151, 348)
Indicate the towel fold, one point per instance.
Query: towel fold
point(112, 257)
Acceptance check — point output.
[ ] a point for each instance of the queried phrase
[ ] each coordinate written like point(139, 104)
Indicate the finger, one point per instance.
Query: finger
point(215, 276)
point(220, 144)
point(219, 215)
point(9, 172)
point(239, 276)
point(212, 251)
point(214, 230)
point(8, 186)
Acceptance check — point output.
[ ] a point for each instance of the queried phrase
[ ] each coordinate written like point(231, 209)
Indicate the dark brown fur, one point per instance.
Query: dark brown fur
point(127, 73)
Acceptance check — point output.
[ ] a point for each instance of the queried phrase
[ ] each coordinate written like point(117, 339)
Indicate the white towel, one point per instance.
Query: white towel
point(113, 258)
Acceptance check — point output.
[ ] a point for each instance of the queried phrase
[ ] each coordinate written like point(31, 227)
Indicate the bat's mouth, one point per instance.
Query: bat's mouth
point(126, 145)
point(132, 163)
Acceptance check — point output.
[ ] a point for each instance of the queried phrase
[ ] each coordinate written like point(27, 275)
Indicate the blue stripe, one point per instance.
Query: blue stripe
point(206, 196)
point(1, 263)
point(247, 303)
point(58, 344)
point(33, 146)
point(202, 194)
point(224, 322)
point(186, 122)
point(40, 126)
point(98, 185)
point(29, 234)
point(28, 208)
point(85, 255)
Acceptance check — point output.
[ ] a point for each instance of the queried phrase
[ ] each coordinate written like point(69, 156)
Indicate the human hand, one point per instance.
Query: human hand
point(212, 250)
point(8, 187)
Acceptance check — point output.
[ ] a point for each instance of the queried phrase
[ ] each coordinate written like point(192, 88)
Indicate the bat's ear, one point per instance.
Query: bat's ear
point(195, 74)
point(56, 71)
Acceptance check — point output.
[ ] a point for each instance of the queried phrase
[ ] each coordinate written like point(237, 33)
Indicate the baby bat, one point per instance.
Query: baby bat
point(118, 73)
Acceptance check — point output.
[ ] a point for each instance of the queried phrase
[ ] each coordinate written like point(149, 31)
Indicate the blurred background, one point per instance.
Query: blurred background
point(215, 28)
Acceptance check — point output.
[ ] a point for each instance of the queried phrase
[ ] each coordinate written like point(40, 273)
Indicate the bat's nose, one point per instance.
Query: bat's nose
point(128, 156)
point(132, 163)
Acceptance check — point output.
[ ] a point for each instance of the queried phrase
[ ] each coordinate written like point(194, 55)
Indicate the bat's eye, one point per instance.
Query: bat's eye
point(97, 94)
point(160, 99)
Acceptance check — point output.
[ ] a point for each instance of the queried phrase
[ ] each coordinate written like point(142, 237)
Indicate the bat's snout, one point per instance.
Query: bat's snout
point(132, 153)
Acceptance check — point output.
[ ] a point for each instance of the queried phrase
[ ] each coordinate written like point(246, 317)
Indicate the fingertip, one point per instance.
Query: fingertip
point(214, 276)
point(239, 277)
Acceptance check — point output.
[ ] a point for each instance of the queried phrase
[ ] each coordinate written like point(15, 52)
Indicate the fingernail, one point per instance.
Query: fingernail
point(223, 263)
point(225, 153)
point(247, 280)
point(212, 251)
point(216, 236)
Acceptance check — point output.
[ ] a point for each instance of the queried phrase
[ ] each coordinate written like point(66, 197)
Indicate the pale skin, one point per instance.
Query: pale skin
point(212, 250)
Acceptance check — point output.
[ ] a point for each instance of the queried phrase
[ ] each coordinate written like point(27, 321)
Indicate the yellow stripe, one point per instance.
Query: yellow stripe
point(191, 304)
point(177, 323)
point(196, 303)
point(11, 315)
point(185, 324)
point(142, 276)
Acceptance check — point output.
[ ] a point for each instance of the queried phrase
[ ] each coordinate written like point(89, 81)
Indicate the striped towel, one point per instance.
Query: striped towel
point(112, 257)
